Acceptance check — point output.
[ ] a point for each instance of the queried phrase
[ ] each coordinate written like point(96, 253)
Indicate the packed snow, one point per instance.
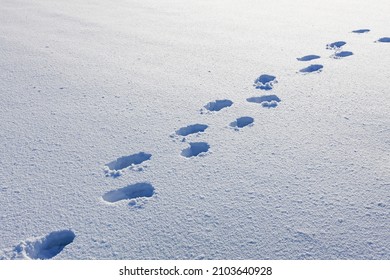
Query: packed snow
point(226, 129)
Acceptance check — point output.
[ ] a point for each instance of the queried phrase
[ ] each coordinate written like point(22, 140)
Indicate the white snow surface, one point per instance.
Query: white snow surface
point(85, 84)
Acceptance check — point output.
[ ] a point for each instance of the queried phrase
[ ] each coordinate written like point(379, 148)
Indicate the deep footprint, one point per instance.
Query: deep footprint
point(130, 192)
point(312, 68)
point(121, 163)
point(384, 40)
point(191, 129)
point(265, 82)
point(195, 149)
point(46, 247)
point(242, 122)
point(342, 54)
point(308, 57)
point(335, 45)
point(360, 31)
point(267, 101)
point(218, 105)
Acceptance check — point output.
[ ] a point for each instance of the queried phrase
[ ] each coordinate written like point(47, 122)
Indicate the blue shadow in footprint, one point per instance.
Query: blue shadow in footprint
point(265, 82)
point(384, 40)
point(335, 45)
point(218, 105)
point(360, 31)
point(191, 129)
point(312, 68)
point(242, 122)
point(308, 57)
point(129, 192)
point(195, 149)
point(342, 54)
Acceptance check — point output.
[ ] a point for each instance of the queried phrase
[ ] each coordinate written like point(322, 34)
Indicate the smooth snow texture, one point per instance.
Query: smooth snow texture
point(90, 90)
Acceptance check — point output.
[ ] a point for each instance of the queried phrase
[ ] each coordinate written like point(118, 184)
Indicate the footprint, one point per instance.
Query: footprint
point(42, 248)
point(242, 122)
point(335, 45)
point(115, 167)
point(267, 101)
point(191, 129)
point(360, 31)
point(138, 190)
point(302, 236)
point(218, 105)
point(342, 54)
point(195, 149)
point(308, 57)
point(265, 82)
point(384, 40)
point(312, 68)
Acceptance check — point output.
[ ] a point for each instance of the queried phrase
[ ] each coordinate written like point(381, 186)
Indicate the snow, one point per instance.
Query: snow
point(93, 91)
point(42, 248)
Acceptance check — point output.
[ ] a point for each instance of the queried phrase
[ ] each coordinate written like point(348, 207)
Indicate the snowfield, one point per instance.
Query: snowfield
point(198, 129)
